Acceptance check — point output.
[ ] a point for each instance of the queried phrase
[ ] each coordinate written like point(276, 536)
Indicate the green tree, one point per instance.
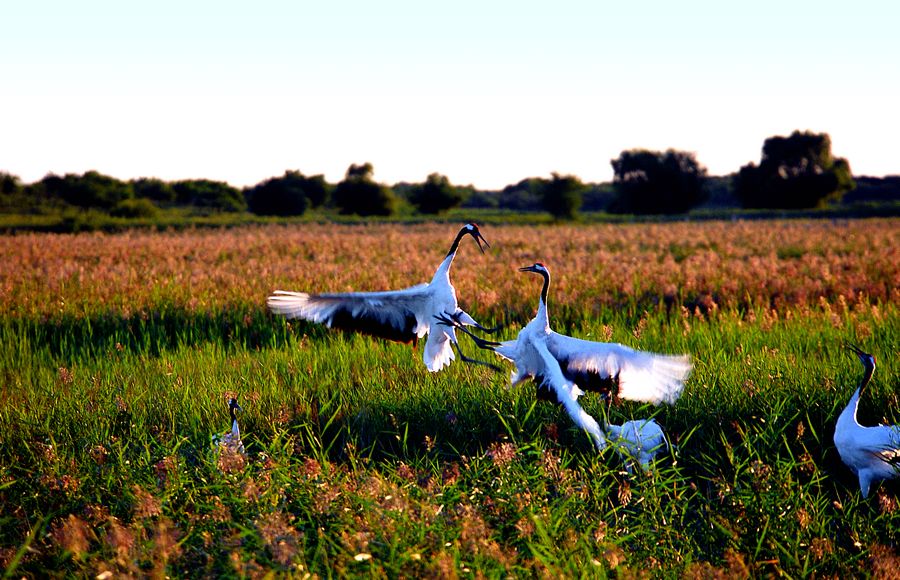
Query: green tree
point(359, 194)
point(523, 196)
point(91, 190)
point(794, 172)
point(283, 196)
point(653, 182)
point(10, 184)
point(435, 195)
point(205, 193)
point(290, 194)
point(562, 196)
point(153, 189)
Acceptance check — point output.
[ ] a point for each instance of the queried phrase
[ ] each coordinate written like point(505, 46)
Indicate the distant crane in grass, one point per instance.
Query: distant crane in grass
point(561, 365)
point(400, 315)
point(872, 453)
point(231, 439)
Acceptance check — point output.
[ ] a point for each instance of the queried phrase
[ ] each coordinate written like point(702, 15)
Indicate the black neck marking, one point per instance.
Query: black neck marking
point(867, 375)
point(546, 288)
point(465, 230)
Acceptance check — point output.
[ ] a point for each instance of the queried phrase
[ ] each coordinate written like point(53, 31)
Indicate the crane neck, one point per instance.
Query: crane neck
point(444, 269)
point(849, 412)
point(455, 246)
point(542, 305)
point(867, 376)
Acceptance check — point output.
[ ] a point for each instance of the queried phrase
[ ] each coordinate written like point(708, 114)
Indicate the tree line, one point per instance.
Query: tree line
point(794, 172)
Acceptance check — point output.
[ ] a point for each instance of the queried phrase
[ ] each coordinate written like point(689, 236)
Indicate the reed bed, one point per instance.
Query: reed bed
point(119, 352)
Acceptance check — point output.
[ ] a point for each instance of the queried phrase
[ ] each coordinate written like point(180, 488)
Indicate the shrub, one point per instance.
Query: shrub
point(135, 208)
point(359, 194)
point(436, 195)
point(794, 172)
point(652, 182)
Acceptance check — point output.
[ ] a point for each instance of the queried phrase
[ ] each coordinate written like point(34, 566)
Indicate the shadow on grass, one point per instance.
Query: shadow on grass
point(83, 337)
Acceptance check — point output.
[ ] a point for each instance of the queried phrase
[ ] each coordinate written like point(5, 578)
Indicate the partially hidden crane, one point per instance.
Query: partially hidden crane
point(872, 453)
point(399, 315)
point(230, 440)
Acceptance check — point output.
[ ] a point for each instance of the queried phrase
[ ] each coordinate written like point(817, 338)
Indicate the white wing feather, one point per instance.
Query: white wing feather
point(567, 393)
point(643, 376)
point(438, 351)
point(390, 308)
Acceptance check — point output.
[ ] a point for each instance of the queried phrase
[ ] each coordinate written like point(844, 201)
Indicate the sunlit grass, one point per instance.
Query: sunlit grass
point(361, 463)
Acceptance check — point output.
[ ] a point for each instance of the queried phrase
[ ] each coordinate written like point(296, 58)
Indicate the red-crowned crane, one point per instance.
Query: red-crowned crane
point(231, 440)
point(872, 453)
point(561, 365)
point(399, 315)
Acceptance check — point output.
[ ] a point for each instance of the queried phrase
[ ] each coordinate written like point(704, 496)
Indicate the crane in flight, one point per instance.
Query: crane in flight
point(399, 315)
point(872, 453)
point(561, 365)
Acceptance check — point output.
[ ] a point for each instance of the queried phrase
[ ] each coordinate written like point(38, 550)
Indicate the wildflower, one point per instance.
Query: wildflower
point(885, 562)
point(280, 537)
point(450, 474)
point(624, 493)
point(310, 468)
point(98, 454)
point(73, 535)
point(404, 471)
point(886, 502)
point(66, 377)
point(502, 454)
point(165, 540)
point(230, 460)
point(820, 547)
point(164, 468)
point(614, 556)
point(145, 505)
point(525, 526)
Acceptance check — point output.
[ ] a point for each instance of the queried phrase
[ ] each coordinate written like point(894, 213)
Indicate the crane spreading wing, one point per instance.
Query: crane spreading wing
point(628, 373)
point(567, 394)
point(397, 315)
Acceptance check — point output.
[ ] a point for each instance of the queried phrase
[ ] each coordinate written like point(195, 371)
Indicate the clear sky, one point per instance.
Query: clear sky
point(484, 92)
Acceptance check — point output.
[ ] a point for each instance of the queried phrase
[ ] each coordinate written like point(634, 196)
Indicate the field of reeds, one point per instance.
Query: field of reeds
point(118, 353)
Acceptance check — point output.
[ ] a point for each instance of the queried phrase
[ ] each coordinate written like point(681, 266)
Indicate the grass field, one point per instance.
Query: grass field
point(118, 353)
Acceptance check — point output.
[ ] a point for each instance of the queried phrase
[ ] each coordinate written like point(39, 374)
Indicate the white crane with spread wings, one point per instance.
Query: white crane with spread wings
point(564, 367)
point(400, 315)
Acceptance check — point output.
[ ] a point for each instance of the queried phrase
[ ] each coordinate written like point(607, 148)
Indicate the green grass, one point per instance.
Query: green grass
point(72, 220)
point(360, 463)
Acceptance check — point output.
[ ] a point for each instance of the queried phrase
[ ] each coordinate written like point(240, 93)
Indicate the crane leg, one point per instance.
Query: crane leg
point(464, 358)
point(445, 320)
point(488, 330)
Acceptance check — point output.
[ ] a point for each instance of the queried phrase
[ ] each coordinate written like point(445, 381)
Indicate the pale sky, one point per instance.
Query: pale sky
point(486, 93)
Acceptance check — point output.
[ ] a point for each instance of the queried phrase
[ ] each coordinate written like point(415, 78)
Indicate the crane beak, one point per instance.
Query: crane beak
point(527, 269)
point(479, 239)
point(855, 349)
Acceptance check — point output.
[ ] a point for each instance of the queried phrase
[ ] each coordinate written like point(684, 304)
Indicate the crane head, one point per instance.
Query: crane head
point(472, 229)
point(537, 268)
point(868, 360)
point(233, 405)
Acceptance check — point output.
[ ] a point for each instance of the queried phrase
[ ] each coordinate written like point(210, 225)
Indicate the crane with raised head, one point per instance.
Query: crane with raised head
point(231, 440)
point(404, 315)
point(564, 367)
point(872, 453)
